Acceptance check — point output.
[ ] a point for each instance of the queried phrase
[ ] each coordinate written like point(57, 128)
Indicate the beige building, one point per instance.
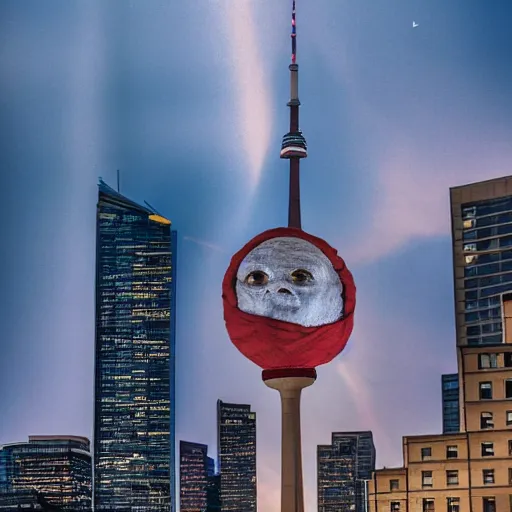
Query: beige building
point(470, 471)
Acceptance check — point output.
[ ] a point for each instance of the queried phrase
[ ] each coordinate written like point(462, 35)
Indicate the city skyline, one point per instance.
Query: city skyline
point(393, 116)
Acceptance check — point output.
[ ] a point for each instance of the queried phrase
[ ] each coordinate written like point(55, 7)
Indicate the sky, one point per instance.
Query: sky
point(188, 100)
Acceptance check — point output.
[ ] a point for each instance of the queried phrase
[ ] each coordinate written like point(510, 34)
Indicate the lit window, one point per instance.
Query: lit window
point(509, 418)
point(486, 420)
point(395, 506)
point(487, 449)
point(488, 476)
point(426, 453)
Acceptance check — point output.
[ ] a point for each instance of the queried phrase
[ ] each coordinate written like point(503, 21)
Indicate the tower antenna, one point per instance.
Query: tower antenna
point(294, 146)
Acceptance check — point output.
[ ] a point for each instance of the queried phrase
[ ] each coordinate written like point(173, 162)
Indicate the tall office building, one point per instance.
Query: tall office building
point(236, 431)
point(195, 471)
point(450, 394)
point(213, 494)
point(343, 468)
point(471, 470)
point(58, 468)
point(134, 375)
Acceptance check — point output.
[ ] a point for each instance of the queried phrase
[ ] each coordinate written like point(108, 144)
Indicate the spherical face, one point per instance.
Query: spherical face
point(290, 279)
point(289, 300)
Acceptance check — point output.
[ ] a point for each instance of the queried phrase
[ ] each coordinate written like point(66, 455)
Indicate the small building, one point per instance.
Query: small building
point(54, 471)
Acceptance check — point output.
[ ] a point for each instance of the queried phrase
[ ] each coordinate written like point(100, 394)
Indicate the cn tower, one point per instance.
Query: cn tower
point(294, 145)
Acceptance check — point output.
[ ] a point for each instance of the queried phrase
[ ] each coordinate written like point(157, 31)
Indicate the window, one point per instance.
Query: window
point(509, 418)
point(428, 505)
point(487, 449)
point(426, 453)
point(509, 476)
point(489, 504)
point(508, 359)
point(508, 388)
point(452, 452)
point(510, 447)
point(488, 476)
point(486, 420)
point(487, 361)
point(485, 390)
point(395, 506)
point(452, 477)
point(453, 505)
point(426, 478)
point(393, 485)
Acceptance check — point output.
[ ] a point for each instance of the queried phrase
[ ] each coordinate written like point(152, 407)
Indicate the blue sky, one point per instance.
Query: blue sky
point(188, 99)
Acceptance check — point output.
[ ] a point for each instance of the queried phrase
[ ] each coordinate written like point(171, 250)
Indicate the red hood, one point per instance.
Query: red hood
point(274, 344)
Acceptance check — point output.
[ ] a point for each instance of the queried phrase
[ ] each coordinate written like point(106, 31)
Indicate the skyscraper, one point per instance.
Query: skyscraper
point(195, 469)
point(57, 467)
point(450, 391)
point(343, 469)
point(236, 430)
point(470, 470)
point(134, 371)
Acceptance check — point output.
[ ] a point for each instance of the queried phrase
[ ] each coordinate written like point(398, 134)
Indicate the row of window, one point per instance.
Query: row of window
point(452, 505)
point(452, 452)
point(452, 477)
point(487, 419)
point(486, 361)
point(485, 389)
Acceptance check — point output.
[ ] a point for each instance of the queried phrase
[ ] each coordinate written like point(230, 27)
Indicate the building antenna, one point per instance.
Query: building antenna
point(294, 146)
point(118, 179)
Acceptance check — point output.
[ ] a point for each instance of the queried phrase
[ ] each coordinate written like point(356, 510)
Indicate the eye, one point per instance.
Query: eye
point(257, 278)
point(301, 276)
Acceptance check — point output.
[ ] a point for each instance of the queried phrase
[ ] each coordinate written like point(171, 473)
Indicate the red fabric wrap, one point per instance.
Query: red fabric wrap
point(274, 344)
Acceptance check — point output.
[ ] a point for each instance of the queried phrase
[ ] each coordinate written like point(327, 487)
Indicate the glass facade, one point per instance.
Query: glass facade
point(343, 469)
point(134, 466)
point(194, 467)
point(451, 418)
point(213, 493)
point(487, 247)
point(58, 468)
point(236, 428)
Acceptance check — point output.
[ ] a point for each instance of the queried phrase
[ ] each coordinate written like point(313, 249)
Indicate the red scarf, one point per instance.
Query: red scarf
point(275, 344)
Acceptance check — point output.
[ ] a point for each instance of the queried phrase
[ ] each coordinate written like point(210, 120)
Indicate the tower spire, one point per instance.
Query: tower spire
point(294, 145)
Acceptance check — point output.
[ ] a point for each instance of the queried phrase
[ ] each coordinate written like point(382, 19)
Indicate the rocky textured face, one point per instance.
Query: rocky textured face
point(290, 279)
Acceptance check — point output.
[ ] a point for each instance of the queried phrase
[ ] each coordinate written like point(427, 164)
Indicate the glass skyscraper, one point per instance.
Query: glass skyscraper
point(134, 441)
point(56, 467)
point(195, 466)
point(487, 247)
point(236, 430)
point(343, 469)
point(451, 417)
